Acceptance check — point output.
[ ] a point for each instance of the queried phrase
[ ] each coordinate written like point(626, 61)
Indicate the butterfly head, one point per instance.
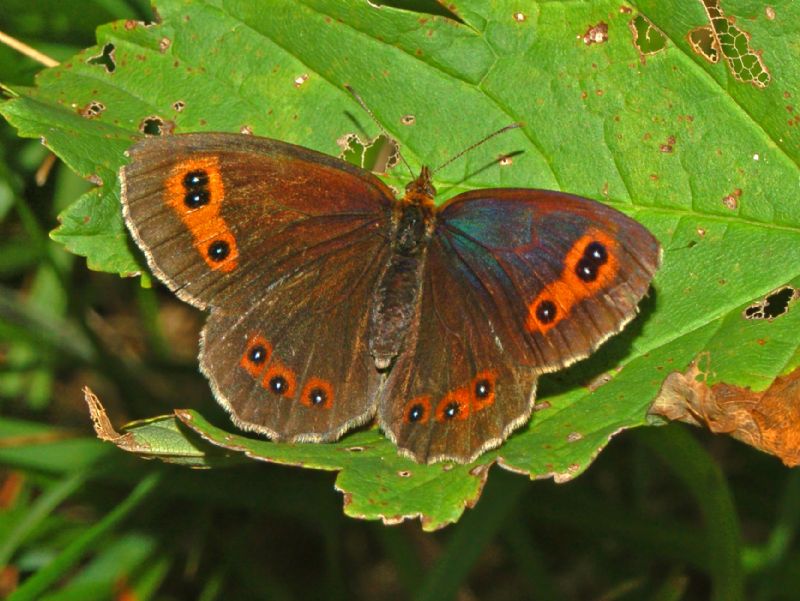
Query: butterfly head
point(421, 191)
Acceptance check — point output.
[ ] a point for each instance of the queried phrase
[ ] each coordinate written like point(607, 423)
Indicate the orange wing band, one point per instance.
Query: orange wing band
point(556, 301)
point(195, 192)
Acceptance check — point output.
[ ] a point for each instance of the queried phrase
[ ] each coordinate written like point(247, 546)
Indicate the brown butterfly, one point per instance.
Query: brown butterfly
point(332, 303)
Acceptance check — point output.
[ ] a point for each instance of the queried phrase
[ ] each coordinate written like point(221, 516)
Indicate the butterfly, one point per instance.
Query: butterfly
point(332, 303)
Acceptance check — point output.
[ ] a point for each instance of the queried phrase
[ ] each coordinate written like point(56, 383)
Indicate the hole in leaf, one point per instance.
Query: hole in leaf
point(773, 305)
point(703, 42)
point(647, 38)
point(723, 37)
point(430, 7)
point(379, 154)
point(105, 58)
point(156, 126)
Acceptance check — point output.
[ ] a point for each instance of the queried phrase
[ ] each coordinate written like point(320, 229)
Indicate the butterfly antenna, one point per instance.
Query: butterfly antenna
point(502, 130)
point(364, 106)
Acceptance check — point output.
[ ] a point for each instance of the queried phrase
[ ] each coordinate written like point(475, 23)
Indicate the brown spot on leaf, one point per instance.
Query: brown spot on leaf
point(92, 110)
point(768, 420)
point(731, 201)
point(596, 34)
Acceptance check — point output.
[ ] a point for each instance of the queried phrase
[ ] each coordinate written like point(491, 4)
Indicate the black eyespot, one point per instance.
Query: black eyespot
point(416, 412)
point(483, 388)
point(197, 198)
point(586, 269)
point(451, 410)
point(317, 396)
point(257, 354)
point(218, 250)
point(278, 384)
point(546, 311)
point(195, 179)
point(596, 253)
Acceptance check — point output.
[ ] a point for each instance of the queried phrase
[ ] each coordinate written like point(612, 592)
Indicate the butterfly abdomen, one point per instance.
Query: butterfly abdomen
point(395, 297)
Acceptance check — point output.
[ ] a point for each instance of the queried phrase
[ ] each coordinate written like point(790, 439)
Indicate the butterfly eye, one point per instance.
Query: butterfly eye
point(417, 410)
point(483, 388)
point(546, 311)
point(278, 384)
point(195, 179)
point(317, 396)
point(586, 269)
point(451, 410)
point(195, 199)
point(454, 405)
point(596, 253)
point(317, 393)
point(257, 354)
point(218, 250)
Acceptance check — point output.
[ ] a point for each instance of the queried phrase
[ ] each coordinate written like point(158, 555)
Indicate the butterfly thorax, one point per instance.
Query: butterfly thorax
point(395, 298)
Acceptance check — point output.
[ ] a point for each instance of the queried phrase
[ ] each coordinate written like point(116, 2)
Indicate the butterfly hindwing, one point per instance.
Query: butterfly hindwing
point(516, 283)
point(284, 245)
point(454, 392)
point(295, 365)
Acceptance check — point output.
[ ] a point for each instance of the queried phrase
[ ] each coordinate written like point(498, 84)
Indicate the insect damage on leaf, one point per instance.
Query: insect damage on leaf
point(105, 58)
point(774, 305)
point(596, 34)
point(723, 37)
point(156, 126)
point(647, 38)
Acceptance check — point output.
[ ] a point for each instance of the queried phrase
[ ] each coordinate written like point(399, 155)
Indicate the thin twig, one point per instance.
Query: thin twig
point(23, 48)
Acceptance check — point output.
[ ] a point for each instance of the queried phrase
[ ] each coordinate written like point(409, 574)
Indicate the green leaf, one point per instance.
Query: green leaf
point(376, 481)
point(709, 162)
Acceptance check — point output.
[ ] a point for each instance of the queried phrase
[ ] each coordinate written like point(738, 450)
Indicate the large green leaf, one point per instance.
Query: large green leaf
point(629, 115)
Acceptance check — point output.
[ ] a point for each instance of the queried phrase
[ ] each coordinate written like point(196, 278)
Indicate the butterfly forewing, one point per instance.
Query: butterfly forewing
point(570, 271)
point(285, 246)
point(214, 210)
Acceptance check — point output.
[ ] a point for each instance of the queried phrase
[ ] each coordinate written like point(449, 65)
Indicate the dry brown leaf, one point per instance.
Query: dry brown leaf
point(768, 420)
